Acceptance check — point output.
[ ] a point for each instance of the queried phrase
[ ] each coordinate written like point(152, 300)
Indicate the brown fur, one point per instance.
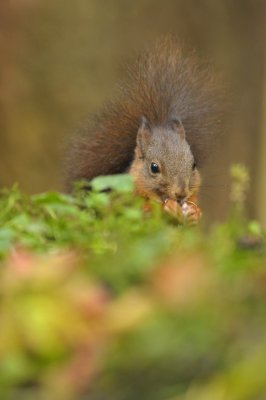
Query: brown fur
point(164, 84)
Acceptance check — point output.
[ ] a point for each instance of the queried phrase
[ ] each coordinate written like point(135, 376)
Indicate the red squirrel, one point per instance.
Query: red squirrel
point(158, 128)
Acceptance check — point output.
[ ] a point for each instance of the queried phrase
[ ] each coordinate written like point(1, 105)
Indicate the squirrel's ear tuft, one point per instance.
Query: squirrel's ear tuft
point(178, 127)
point(144, 134)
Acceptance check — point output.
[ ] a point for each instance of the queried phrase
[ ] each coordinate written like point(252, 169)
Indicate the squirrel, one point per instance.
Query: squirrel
point(158, 128)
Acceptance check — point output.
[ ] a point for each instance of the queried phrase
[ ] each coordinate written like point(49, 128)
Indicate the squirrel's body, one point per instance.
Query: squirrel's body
point(165, 114)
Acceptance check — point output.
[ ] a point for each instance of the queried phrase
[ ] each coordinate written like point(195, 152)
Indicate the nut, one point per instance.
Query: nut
point(188, 214)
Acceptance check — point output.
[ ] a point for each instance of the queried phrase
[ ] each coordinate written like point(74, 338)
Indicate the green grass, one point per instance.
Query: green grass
point(100, 300)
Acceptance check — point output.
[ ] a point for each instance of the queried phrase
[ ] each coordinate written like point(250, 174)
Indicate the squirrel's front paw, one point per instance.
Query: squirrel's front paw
point(174, 209)
point(187, 214)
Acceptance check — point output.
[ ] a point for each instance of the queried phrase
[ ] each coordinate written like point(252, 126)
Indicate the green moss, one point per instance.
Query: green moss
point(102, 300)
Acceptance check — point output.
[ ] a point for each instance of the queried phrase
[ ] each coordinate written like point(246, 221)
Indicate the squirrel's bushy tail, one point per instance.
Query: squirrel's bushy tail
point(164, 83)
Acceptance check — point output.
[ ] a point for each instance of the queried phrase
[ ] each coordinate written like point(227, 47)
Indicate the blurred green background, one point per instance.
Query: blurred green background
point(61, 60)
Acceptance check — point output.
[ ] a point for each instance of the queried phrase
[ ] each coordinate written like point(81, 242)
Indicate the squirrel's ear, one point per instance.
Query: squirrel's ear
point(178, 127)
point(144, 134)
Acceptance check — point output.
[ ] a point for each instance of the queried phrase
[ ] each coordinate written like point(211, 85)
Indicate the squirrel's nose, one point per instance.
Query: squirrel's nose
point(180, 199)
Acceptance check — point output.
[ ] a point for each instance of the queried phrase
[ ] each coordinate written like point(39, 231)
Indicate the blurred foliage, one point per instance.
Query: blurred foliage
point(103, 300)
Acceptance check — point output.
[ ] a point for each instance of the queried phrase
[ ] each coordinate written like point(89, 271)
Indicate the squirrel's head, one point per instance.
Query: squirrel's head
point(164, 166)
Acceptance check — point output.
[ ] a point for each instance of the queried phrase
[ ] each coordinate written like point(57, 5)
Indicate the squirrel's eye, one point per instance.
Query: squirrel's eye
point(194, 166)
point(155, 168)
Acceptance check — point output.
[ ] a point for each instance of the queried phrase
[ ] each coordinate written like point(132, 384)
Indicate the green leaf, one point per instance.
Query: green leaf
point(122, 183)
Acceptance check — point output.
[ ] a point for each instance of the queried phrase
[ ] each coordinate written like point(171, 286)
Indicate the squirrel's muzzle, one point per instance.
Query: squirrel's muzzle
point(180, 199)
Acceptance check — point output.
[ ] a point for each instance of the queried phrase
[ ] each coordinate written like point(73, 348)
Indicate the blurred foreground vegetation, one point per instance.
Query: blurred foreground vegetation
point(102, 301)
